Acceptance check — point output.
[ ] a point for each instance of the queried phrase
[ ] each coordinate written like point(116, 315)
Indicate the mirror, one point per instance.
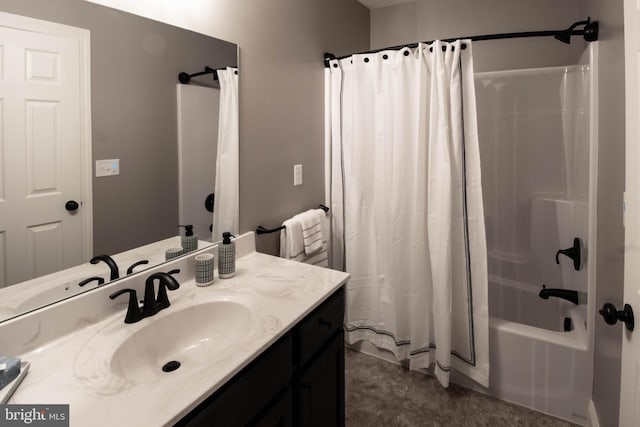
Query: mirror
point(134, 67)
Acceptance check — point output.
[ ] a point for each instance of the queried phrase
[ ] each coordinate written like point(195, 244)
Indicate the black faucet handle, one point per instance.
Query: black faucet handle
point(573, 253)
point(134, 313)
point(134, 265)
point(98, 279)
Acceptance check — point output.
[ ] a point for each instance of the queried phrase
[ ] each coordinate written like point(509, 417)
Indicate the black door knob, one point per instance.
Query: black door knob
point(611, 315)
point(71, 205)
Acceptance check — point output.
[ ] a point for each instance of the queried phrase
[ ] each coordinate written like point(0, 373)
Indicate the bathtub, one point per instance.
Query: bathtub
point(534, 362)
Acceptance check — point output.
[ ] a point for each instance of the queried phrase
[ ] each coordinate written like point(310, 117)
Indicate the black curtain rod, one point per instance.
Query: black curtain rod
point(589, 33)
point(185, 78)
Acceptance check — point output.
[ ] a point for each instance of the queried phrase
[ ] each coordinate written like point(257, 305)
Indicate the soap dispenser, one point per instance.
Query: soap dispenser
point(226, 257)
point(189, 241)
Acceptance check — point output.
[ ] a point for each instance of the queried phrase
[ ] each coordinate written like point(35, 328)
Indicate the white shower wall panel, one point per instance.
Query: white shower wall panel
point(538, 146)
point(533, 127)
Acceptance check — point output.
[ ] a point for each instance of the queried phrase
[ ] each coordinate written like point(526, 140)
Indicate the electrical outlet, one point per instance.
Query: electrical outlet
point(297, 175)
point(107, 167)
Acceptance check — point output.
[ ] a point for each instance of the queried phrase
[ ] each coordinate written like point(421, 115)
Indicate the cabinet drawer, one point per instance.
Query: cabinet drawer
point(318, 328)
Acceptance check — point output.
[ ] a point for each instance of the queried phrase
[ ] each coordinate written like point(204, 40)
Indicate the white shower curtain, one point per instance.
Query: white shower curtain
point(226, 207)
point(406, 200)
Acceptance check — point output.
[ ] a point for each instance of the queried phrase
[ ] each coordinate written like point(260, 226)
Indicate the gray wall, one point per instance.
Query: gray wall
point(134, 68)
point(282, 99)
point(433, 19)
point(611, 169)
point(281, 91)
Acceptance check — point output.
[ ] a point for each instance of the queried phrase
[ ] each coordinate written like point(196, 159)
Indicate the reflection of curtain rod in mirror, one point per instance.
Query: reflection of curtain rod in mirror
point(185, 78)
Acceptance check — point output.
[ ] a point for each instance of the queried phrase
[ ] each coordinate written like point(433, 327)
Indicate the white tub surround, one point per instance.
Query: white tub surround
point(538, 133)
point(72, 345)
point(545, 370)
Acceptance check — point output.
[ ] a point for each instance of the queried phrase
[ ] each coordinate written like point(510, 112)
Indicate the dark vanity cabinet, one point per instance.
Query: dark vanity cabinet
point(298, 381)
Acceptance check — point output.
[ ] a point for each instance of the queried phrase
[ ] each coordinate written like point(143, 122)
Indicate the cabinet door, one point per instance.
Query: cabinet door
point(278, 415)
point(245, 396)
point(321, 387)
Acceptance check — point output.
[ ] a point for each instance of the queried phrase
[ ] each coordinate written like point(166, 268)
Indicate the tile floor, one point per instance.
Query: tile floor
point(383, 394)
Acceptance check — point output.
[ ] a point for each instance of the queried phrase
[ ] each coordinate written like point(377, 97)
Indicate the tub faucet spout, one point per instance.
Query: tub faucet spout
point(566, 294)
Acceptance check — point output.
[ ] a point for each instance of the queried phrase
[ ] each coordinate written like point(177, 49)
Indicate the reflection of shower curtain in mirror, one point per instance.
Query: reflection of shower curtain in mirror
point(407, 206)
point(225, 214)
point(197, 148)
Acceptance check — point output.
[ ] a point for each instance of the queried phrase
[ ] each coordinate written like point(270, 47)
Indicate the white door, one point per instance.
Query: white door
point(44, 138)
point(630, 381)
point(198, 110)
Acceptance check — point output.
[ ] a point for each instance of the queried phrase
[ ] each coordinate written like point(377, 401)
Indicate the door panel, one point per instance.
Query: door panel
point(43, 141)
point(630, 379)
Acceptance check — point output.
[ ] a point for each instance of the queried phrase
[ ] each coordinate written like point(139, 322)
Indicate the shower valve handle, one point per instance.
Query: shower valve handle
point(611, 315)
point(572, 252)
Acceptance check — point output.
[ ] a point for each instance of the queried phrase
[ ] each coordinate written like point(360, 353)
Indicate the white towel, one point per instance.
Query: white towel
point(311, 221)
point(292, 243)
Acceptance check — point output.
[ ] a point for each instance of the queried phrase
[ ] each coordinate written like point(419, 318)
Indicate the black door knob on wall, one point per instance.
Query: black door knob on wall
point(611, 315)
point(71, 205)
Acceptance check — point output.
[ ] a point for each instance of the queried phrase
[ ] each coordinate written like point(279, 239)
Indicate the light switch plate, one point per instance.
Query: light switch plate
point(107, 167)
point(297, 175)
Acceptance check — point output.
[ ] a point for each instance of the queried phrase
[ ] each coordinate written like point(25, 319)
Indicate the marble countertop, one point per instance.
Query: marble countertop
point(75, 368)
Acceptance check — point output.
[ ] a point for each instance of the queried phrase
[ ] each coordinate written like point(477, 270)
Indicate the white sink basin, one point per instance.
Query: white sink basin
point(191, 336)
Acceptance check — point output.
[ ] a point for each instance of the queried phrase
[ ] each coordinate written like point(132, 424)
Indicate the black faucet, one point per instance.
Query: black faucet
point(150, 305)
point(166, 281)
point(566, 294)
point(115, 272)
point(134, 313)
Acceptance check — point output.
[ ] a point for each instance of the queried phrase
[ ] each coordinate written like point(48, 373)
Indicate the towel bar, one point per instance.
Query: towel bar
point(261, 230)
